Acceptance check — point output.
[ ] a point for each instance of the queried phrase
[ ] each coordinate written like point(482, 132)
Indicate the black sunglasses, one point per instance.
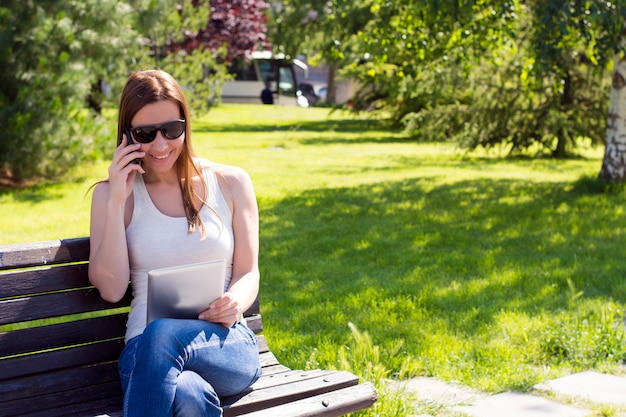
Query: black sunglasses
point(147, 133)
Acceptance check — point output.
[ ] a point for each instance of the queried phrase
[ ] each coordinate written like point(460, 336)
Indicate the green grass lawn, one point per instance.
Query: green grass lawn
point(495, 273)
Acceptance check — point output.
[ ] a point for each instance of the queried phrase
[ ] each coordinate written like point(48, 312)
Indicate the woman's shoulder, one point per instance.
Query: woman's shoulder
point(227, 172)
point(100, 189)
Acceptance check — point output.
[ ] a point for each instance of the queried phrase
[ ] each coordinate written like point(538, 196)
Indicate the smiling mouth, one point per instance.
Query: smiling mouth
point(161, 157)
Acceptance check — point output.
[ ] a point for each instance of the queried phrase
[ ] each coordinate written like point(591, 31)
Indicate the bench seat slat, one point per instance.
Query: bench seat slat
point(88, 400)
point(270, 389)
point(330, 404)
point(281, 394)
point(268, 359)
point(262, 342)
point(275, 369)
point(55, 383)
point(288, 377)
point(254, 321)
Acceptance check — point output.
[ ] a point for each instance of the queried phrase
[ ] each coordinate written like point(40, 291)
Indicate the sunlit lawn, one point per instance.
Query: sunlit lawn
point(495, 273)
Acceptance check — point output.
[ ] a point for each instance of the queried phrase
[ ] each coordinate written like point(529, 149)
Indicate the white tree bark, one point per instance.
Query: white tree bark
point(614, 162)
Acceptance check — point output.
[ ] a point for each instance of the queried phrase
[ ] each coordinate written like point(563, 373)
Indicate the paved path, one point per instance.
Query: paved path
point(585, 394)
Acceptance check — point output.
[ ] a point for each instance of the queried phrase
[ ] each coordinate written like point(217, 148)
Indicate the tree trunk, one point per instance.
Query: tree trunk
point(567, 100)
point(331, 88)
point(614, 162)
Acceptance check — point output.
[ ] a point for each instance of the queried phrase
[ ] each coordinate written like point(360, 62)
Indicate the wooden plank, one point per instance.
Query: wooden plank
point(25, 389)
point(262, 343)
point(268, 359)
point(254, 322)
point(289, 377)
point(23, 283)
point(44, 253)
point(48, 362)
point(55, 305)
point(54, 336)
point(275, 369)
point(87, 400)
point(55, 382)
point(270, 397)
point(331, 404)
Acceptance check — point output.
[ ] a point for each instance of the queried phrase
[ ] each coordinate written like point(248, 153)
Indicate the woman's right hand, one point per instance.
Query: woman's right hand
point(122, 170)
point(109, 268)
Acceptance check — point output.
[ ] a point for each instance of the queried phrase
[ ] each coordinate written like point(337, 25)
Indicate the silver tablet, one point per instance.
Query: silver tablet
point(184, 291)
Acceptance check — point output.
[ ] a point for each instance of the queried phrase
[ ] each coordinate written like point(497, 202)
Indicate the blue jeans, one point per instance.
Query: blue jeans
point(181, 368)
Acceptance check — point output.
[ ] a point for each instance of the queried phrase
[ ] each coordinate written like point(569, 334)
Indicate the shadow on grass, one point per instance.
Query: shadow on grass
point(338, 125)
point(348, 132)
point(33, 194)
point(401, 259)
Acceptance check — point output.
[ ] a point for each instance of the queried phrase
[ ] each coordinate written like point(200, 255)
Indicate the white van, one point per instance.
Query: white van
point(264, 68)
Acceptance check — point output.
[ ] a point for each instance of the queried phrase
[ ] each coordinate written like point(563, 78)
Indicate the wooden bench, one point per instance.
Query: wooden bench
point(59, 344)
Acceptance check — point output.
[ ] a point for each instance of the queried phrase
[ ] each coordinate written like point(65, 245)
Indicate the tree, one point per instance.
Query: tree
point(566, 30)
point(324, 30)
point(51, 52)
point(238, 26)
point(614, 161)
point(533, 73)
point(163, 27)
point(489, 73)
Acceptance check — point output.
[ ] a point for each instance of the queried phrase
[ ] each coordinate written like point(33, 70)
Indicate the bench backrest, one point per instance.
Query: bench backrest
point(53, 321)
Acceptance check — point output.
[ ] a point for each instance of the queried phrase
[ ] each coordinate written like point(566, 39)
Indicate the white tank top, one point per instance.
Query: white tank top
point(158, 241)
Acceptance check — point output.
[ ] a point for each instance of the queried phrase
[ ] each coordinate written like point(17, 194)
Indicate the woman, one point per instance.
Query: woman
point(162, 206)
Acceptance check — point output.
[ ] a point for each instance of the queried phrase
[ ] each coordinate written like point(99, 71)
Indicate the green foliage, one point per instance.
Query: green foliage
point(361, 356)
point(49, 51)
point(562, 25)
point(200, 75)
point(492, 73)
point(319, 28)
point(489, 87)
point(163, 26)
point(587, 340)
point(502, 105)
point(325, 31)
point(421, 56)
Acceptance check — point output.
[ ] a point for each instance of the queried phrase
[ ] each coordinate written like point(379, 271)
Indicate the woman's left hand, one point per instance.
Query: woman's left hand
point(225, 311)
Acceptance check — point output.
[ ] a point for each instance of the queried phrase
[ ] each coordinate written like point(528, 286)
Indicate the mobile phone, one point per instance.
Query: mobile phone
point(129, 139)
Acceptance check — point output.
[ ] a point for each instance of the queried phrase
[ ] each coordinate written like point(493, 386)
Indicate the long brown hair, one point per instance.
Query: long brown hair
point(151, 86)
